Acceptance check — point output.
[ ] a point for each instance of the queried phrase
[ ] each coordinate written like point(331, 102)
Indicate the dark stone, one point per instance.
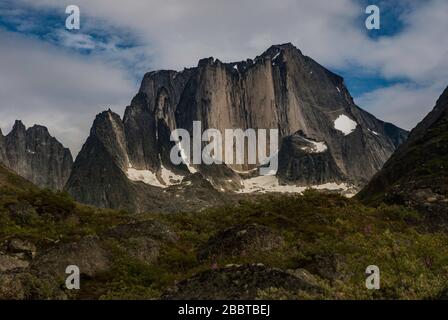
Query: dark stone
point(240, 283)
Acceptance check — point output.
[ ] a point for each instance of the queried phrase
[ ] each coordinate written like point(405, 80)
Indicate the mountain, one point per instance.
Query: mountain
point(101, 176)
point(35, 155)
point(417, 173)
point(325, 139)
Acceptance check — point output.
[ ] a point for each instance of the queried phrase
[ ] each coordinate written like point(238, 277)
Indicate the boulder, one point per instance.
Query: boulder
point(241, 283)
point(22, 246)
point(8, 263)
point(142, 240)
point(89, 254)
point(242, 240)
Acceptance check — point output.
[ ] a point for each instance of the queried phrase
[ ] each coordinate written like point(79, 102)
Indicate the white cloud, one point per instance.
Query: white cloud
point(76, 40)
point(183, 31)
point(41, 84)
point(177, 33)
point(403, 105)
point(420, 52)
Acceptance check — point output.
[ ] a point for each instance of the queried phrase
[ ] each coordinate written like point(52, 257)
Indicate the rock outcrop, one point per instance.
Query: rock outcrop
point(88, 254)
point(240, 241)
point(324, 136)
point(245, 282)
point(142, 240)
point(417, 173)
point(307, 162)
point(37, 156)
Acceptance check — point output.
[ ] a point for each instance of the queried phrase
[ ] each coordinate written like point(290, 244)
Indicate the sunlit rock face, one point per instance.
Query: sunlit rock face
point(324, 137)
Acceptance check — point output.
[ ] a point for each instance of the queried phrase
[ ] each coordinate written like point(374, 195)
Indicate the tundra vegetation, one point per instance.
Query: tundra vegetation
point(327, 238)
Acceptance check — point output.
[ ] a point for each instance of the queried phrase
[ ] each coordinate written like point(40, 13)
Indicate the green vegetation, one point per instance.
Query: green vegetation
point(45, 217)
point(332, 237)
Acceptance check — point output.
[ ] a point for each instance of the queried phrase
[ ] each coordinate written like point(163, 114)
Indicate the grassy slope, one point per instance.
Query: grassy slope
point(413, 263)
point(10, 180)
point(44, 216)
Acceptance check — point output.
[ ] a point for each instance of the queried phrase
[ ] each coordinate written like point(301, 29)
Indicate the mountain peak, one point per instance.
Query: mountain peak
point(37, 156)
point(276, 49)
point(103, 122)
point(39, 129)
point(18, 127)
point(105, 115)
point(284, 46)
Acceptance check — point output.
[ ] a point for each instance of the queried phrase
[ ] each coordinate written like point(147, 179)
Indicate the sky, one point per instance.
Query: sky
point(62, 78)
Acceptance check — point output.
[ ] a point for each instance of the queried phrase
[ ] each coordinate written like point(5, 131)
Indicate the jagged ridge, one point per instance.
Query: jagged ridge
point(280, 89)
point(37, 156)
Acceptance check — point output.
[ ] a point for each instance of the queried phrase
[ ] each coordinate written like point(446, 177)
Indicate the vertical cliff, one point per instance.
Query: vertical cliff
point(324, 136)
point(37, 156)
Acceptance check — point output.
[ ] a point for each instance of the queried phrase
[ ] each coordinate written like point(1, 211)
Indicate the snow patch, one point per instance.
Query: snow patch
point(339, 90)
point(29, 151)
point(345, 124)
point(244, 172)
point(170, 178)
point(145, 176)
point(167, 177)
point(265, 184)
point(374, 132)
point(185, 159)
point(317, 147)
point(276, 56)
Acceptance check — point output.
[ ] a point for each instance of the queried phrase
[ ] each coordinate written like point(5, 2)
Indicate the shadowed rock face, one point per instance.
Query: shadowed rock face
point(416, 175)
point(99, 176)
point(37, 156)
point(298, 164)
point(280, 89)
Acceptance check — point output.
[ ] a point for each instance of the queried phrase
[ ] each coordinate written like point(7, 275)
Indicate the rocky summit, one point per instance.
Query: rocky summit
point(325, 139)
point(37, 156)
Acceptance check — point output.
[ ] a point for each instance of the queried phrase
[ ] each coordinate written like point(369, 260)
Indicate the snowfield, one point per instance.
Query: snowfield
point(345, 124)
point(266, 184)
point(167, 177)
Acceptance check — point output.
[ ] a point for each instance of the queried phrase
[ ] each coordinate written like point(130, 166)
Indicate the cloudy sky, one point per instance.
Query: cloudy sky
point(61, 78)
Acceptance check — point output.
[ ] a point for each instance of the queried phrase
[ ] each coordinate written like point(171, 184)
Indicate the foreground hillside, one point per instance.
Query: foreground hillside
point(312, 246)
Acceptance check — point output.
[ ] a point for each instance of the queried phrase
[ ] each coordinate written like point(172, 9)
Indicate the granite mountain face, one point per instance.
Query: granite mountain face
point(325, 139)
point(417, 173)
point(37, 156)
